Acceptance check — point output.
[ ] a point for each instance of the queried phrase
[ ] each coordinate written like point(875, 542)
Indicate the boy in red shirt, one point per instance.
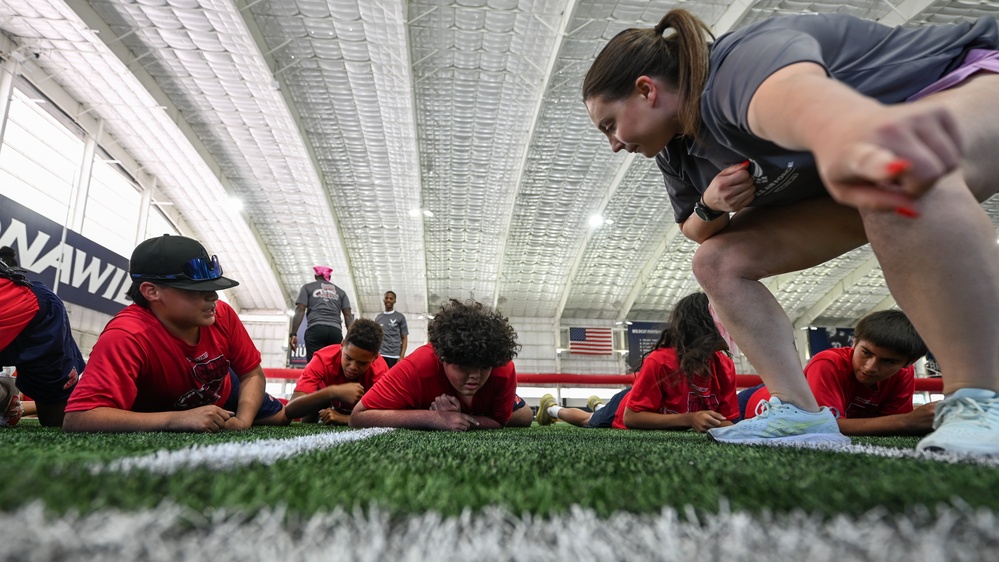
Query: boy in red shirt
point(463, 379)
point(338, 376)
point(178, 359)
point(869, 386)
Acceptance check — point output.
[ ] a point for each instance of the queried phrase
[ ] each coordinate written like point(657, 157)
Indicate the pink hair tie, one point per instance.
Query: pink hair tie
point(323, 270)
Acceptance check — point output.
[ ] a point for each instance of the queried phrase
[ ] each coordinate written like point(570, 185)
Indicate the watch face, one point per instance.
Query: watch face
point(706, 214)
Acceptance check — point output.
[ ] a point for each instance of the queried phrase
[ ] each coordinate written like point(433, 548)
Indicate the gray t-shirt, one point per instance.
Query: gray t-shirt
point(888, 64)
point(394, 327)
point(324, 302)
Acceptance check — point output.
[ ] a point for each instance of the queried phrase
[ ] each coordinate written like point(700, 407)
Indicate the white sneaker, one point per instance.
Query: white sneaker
point(784, 424)
point(965, 423)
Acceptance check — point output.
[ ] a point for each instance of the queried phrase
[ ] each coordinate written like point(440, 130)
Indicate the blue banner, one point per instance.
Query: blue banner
point(642, 337)
point(821, 339)
point(77, 269)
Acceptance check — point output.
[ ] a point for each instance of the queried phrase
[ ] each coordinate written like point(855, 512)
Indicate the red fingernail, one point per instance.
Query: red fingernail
point(908, 212)
point(897, 167)
point(746, 163)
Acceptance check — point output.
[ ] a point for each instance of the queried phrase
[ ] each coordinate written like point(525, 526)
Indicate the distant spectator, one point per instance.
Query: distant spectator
point(323, 302)
point(396, 331)
point(463, 379)
point(338, 376)
point(36, 339)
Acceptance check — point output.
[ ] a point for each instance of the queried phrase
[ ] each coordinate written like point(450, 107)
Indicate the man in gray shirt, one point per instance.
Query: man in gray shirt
point(324, 302)
point(395, 330)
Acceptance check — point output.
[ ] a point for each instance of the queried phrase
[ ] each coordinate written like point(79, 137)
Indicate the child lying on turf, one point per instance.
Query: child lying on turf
point(463, 379)
point(338, 375)
point(870, 385)
point(35, 337)
point(178, 359)
point(686, 382)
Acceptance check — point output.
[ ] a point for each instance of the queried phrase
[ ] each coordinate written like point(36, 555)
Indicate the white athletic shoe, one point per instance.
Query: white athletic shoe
point(784, 424)
point(965, 423)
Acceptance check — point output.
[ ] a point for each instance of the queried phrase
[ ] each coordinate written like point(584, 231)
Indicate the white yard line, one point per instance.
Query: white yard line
point(225, 456)
point(171, 532)
point(890, 452)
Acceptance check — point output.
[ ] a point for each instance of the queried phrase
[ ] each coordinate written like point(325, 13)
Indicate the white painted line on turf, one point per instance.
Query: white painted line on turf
point(224, 456)
point(890, 452)
point(171, 532)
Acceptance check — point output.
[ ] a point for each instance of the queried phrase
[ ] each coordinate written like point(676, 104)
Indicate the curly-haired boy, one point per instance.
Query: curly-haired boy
point(463, 379)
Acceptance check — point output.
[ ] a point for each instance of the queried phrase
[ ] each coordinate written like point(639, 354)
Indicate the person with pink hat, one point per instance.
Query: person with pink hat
point(323, 303)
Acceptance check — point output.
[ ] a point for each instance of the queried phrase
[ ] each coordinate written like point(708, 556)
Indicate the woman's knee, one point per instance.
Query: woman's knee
point(717, 261)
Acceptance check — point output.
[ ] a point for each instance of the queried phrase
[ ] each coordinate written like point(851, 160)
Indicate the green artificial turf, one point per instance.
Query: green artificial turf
point(541, 471)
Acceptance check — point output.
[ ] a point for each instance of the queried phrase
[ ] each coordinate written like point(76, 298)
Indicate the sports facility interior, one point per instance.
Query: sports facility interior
point(438, 149)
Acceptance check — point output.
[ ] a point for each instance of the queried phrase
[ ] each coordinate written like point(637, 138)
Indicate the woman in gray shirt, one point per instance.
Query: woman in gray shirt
point(821, 133)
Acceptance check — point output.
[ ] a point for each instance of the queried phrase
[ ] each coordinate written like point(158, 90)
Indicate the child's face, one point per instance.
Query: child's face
point(466, 380)
point(182, 308)
point(355, 361)
point(873, 364)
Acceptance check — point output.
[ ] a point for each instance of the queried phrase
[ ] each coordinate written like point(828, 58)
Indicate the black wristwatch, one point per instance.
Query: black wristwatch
point(706, 213)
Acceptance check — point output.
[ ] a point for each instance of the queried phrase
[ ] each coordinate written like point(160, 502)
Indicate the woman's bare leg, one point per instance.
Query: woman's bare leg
point(943, 267)
point(762, 242)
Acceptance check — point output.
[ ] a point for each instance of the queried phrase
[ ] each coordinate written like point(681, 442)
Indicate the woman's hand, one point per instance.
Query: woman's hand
point(731, 190)
point(891, 164)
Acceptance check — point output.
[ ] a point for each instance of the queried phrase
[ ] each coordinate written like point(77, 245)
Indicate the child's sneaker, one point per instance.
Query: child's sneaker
point(593, 402)
point(785, 424)
point(965, 423)
point(543, 417)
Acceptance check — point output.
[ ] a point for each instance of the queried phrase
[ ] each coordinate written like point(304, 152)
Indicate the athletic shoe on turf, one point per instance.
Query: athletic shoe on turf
point(965, 423)
point(784, 424)
point(10, 402)
point(592, 402)
point(543, 417)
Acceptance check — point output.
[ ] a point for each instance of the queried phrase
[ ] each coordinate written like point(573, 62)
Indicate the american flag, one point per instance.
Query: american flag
point(590, 341)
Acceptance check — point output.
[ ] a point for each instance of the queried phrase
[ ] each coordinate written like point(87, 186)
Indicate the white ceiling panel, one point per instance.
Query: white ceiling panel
point(434, 148)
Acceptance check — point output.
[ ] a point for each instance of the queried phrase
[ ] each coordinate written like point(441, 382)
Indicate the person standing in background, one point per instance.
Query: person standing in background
point(395, 330)
point(324, 302)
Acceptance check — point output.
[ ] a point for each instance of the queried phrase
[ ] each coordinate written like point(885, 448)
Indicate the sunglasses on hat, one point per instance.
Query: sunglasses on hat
point(197, 269)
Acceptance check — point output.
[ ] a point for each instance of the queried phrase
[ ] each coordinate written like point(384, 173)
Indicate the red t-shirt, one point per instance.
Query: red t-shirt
point(138, 365)
point(18, 305)
point(831, 377)
point(660, 387)
point(415, 381)
point(325, 370)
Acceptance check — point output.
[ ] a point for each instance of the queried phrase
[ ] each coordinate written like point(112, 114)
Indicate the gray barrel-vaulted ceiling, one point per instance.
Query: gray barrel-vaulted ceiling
point(435, 148)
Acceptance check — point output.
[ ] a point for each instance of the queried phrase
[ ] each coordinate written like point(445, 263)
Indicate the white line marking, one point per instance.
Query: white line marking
point(171, 532)
point(891, 452)
point(224, 456)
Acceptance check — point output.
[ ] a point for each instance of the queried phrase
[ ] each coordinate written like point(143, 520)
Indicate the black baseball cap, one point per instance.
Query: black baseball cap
point(177, 261)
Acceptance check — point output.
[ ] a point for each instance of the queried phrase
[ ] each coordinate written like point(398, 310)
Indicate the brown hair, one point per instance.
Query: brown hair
point(693, 334)
point(680, 59)
point(892, 330)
